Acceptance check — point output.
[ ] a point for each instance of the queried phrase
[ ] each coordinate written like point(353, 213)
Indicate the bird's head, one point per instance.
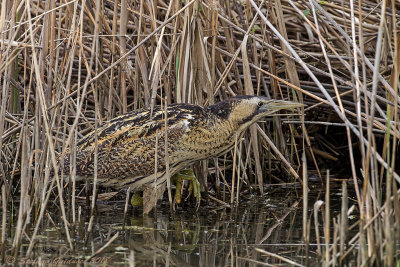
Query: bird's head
point(245, 110)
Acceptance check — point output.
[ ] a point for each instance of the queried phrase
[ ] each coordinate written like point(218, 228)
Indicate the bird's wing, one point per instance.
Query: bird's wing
point(127, 144)
point(139, 124)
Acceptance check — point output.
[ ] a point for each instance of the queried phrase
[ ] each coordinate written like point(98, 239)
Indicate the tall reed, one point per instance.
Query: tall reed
point(68, 66)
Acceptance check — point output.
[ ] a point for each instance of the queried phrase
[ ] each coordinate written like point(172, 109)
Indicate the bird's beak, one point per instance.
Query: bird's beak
point(276, 105)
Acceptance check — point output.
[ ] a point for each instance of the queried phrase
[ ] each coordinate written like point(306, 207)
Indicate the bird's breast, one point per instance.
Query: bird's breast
point(205, 142)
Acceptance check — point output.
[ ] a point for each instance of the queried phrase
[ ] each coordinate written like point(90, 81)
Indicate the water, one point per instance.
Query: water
point(212, 236)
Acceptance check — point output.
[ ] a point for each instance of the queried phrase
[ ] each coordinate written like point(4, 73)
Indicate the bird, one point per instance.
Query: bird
point(133, 149)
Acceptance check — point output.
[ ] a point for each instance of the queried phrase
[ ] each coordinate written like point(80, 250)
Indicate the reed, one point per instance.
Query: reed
point(68, 66)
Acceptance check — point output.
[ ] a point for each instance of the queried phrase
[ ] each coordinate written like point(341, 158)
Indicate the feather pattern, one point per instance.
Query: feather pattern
point(127, 144)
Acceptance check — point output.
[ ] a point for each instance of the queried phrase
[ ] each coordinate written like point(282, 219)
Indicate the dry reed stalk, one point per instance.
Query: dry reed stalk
point(272, 145)
point(234, 170)
point(278, 257)
point(124, 64)
point(278, 222)
point(327, 228)
point(51, 96)
point(317, 206)
point(3, 216)
point(341, 115)
point(24, 205)
point(306, 233)
point(131, 259)
point(167, 171)
point(127, 200)
point(337, 97)
point(97, 117)
point(343, 222)
point(294, 80)
point(112, 239)
point(47, 130)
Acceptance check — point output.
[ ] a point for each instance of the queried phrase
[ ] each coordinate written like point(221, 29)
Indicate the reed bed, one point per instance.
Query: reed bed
point(68, 66)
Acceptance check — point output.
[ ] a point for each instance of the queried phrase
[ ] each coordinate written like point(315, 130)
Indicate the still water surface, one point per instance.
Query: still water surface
point(212, 236)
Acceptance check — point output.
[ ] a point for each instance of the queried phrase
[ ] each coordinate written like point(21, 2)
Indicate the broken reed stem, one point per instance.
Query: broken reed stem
point(317, 206)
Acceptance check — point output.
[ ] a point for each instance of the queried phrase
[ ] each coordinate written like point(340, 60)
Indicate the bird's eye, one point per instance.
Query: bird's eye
point(260, 104)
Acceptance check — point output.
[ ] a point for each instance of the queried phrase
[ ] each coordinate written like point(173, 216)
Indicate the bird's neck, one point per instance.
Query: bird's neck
point(227, 128)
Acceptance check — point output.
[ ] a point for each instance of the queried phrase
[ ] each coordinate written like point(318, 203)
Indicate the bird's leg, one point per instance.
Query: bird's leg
point(186, 174)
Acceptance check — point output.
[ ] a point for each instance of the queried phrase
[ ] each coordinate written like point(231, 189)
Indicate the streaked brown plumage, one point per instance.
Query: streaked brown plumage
point(127, 144)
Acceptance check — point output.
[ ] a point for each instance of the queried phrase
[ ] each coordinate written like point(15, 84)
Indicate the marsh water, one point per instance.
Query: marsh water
point(214, 235)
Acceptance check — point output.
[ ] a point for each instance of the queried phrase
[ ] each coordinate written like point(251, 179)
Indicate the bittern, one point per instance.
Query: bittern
point(132, 149)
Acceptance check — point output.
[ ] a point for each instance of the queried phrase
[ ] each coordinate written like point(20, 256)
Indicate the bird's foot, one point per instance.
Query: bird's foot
point(194, 186)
